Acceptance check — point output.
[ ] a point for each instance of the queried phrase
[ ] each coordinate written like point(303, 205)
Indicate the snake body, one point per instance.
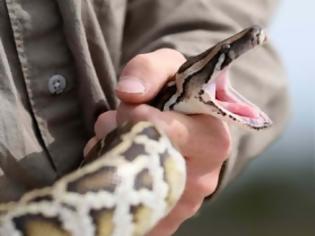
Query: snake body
point(135, 175)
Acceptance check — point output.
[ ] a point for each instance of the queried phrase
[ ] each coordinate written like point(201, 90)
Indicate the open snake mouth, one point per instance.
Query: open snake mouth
point(228, 102)
point(227, 97)
point(219, 92)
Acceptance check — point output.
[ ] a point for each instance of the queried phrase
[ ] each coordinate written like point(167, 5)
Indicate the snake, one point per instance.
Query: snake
point(135, 175)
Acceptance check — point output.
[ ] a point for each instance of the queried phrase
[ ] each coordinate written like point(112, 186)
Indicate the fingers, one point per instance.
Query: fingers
point(144, 75)
point(200, 185)
point(90, 144)
point(203, 139)
point(197, 188)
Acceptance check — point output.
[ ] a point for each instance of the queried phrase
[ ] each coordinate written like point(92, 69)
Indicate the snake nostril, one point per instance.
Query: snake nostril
point(226, 46)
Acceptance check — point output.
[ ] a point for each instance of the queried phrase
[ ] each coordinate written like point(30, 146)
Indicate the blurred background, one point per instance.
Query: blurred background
point(275, 196)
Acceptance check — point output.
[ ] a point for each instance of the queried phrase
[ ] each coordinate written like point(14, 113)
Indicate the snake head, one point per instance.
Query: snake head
point(203, 86)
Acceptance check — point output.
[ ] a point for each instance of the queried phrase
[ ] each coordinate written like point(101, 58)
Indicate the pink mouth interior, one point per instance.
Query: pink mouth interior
point(227, 98)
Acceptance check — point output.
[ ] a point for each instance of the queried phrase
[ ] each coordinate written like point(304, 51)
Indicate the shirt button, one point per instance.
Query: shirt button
point(57, 84)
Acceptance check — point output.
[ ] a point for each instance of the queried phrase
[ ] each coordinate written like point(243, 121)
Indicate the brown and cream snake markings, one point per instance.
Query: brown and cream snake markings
point(136, 176)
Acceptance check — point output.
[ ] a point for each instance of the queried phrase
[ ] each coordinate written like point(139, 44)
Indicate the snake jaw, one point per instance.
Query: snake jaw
point(226, 102)
point(222, 93)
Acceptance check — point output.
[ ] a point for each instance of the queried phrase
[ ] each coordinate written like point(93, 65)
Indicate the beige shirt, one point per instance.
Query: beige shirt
point(60, 60)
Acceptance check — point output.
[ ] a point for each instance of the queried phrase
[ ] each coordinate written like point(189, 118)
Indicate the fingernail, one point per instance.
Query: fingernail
point(128, 84)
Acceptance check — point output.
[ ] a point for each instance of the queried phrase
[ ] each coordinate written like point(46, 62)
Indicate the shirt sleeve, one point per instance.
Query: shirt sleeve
point(192, 26)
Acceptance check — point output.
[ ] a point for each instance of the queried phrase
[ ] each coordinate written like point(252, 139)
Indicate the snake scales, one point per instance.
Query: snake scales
point(135, 175)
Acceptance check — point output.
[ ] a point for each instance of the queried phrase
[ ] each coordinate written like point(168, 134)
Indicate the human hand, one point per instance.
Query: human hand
point(203, 140)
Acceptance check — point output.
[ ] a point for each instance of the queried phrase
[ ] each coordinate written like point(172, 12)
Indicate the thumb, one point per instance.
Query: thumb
point(145, 74)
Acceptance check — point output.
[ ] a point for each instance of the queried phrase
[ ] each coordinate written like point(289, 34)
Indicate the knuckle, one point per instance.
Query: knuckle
point(176, 54)
point(145, 60)
point(141, 112)
point(224, 144)
point(205, 188)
